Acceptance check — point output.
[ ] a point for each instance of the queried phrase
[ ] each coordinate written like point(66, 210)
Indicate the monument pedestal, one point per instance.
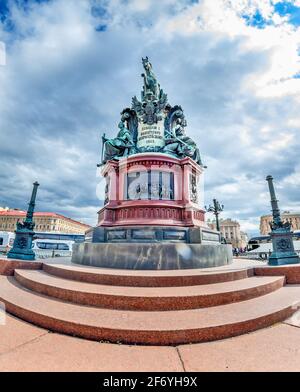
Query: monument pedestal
point(152, 218)
point(152, 189)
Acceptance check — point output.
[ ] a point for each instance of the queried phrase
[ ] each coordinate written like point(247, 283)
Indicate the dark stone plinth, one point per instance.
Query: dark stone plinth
point(142, 234)
point(152, 256)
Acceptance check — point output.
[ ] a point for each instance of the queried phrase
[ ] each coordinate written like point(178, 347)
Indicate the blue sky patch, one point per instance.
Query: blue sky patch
point(101, 27)
point(99, 11)
point(286, 8)
point(256, 20)
point(4, 10)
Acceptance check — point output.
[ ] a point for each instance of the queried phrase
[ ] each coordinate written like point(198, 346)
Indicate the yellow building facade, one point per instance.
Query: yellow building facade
point(231, 231)
point(292, 217)
point(44, 222)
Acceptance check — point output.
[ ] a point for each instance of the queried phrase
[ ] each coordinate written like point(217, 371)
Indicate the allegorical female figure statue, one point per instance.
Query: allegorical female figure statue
point(119, 146)
point(182, 145)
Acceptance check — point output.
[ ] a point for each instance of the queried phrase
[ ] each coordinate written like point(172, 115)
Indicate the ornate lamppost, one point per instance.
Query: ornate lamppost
point(22, 248)
point(281, 234)
point(216, 208)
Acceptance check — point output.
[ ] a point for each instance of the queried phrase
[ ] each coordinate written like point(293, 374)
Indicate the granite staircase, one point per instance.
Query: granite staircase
point(148, 307)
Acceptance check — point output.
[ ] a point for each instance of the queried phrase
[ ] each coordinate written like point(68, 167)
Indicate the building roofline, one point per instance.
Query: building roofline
point(284, 213)
point(21, 214)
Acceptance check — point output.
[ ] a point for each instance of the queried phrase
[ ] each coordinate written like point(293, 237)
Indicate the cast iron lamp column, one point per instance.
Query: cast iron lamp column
point(281, 234)
point(22, 248)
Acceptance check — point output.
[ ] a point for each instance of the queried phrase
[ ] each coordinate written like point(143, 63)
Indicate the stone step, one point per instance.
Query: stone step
point(147, 298)
point(143, 278)
point(159, 328)
point(290, 271)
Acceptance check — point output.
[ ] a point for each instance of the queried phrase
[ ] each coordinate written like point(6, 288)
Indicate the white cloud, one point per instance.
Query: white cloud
point(293, 179)
point(224, 17)
point(139, 5)
point(2, 54)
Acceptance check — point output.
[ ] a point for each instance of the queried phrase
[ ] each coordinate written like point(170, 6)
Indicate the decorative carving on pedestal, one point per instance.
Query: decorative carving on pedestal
point(283, 245)
point(193, 188)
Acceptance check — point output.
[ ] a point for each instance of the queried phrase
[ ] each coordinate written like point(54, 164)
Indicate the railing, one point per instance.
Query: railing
point(47, 254)
point(263, 256)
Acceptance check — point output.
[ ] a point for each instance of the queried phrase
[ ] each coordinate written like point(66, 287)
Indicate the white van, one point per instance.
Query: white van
point(6, 241)
point(44, 248)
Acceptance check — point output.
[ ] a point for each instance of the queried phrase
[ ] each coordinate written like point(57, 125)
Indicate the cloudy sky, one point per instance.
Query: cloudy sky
point(70, 67)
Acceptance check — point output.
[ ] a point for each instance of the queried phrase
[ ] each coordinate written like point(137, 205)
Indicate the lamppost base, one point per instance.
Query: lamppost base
point(29, 256)
point(22, 248)
point(276, 259)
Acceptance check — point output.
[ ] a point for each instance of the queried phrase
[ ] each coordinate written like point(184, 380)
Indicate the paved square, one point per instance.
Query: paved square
point(24, 347)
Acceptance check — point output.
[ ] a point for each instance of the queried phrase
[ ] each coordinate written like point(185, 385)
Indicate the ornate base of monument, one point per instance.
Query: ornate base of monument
point(283, 248)
point(152, 219)
point(152, 189)
point(141, 233)
point(152, 248)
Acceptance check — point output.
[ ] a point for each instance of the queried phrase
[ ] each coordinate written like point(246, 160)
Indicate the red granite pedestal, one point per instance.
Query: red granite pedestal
point(152, 189)
point(152, 218)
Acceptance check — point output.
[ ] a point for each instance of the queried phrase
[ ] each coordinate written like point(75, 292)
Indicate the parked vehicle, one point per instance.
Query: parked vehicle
point(261, 247)
point(6, 241)
point(45, 244)
point(255, 242)
point(45, 248)
point(58, 236)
